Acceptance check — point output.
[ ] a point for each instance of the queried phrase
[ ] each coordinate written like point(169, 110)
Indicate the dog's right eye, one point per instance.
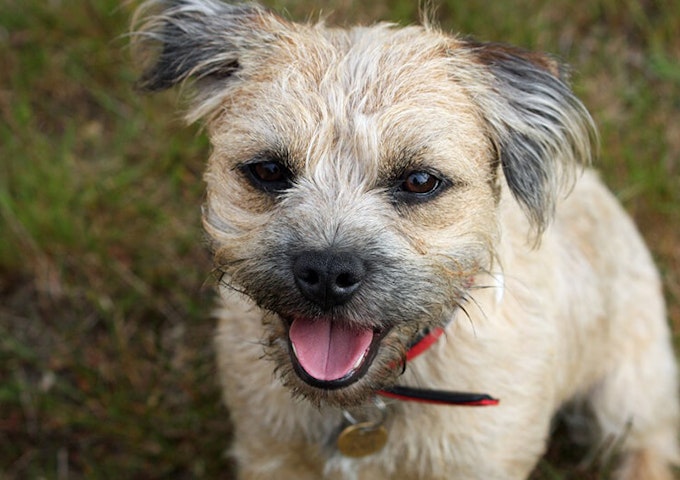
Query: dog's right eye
point(418, 186)
point(420, 183)
point(269, 175)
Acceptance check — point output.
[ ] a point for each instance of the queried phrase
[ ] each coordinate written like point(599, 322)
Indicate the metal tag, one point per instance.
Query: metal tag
point(362, 439)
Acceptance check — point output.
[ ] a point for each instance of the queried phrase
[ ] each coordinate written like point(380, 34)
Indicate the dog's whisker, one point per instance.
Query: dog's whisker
point(470, 321)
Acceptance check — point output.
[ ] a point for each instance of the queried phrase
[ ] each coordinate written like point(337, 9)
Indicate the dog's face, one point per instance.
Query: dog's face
point(355, 176)
point(352, 203)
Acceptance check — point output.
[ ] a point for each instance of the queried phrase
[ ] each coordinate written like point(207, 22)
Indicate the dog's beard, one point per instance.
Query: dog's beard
point(344, 355)
point(370, 366)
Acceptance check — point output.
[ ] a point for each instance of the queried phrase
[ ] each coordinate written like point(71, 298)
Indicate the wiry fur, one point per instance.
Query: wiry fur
point(576, 316)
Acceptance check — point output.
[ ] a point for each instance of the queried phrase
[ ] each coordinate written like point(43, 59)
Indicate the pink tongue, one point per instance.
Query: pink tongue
point(328, 351)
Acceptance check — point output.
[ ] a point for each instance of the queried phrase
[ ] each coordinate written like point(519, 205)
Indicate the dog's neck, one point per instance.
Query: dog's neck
point(439, 397)
point(362, 437)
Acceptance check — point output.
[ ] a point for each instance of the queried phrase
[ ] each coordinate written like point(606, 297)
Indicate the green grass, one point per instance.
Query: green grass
point(106, 367)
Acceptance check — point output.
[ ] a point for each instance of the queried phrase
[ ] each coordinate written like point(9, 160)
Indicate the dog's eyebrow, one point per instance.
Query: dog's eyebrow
point(397, 165)
point(408, 160)
point(277, 154)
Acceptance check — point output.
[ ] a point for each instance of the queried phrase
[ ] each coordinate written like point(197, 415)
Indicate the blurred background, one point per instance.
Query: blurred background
point(106, 361)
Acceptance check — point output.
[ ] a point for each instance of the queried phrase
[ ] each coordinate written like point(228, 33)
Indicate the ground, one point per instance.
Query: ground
point(106, 362)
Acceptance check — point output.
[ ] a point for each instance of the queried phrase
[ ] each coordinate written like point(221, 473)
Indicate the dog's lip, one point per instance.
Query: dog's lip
point(362, 360)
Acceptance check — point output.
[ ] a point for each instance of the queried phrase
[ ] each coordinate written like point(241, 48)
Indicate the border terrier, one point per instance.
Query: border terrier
point(376, 192)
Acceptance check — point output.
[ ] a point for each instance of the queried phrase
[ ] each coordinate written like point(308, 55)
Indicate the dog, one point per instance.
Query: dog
point(417, 267)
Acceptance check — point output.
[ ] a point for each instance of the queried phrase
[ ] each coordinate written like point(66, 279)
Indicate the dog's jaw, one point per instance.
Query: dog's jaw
point(334, 362)
point(345, 354)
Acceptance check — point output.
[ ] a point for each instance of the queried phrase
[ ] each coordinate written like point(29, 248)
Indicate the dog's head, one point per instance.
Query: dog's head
point(355, 177)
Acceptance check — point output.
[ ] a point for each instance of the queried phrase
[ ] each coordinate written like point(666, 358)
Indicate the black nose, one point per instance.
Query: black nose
point(328, 278)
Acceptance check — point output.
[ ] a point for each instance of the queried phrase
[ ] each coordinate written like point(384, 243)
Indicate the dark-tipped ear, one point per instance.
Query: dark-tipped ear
point(175, 40)
point(203, 40)
point(542, 132)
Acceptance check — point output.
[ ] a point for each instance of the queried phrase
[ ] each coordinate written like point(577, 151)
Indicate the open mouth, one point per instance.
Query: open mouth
point(330, 355)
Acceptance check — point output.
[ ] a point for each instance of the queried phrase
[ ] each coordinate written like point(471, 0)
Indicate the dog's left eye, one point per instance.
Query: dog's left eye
point(420, 183)
point(269, 175)
point(417, 186)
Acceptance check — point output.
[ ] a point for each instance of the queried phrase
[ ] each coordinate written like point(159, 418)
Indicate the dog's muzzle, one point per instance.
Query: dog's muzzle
point(327, 352)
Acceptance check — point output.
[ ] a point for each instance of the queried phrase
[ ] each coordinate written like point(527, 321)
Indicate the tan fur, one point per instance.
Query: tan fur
point(561, 300)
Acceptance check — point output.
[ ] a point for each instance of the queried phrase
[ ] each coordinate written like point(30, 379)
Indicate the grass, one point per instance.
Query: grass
point(106, 364)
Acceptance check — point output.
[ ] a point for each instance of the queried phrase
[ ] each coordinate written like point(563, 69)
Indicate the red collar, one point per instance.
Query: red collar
point(438, 397)
point(426, 341)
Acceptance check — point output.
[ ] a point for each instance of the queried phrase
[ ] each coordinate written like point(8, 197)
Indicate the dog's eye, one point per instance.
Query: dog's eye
point(420, 183)
point(417, 186)
point(269, 175)
point(268, 172)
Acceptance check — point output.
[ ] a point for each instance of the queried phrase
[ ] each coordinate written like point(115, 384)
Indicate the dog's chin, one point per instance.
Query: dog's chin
point(339, 365)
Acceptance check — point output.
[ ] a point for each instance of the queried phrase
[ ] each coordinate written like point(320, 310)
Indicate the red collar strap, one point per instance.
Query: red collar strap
point(437, 397)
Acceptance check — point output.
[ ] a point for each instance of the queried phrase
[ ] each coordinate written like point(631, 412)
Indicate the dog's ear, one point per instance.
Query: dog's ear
point(541, 131)
point(206, 41)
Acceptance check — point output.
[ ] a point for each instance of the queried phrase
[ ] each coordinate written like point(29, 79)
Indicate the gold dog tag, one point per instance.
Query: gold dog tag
point(362, 439)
